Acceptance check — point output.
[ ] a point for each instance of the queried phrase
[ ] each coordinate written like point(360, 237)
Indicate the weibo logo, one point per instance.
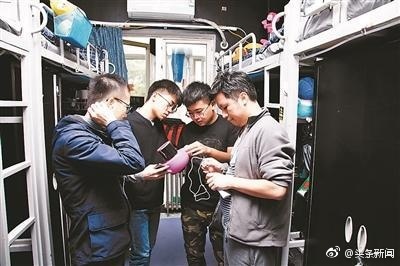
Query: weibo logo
point(333, 252)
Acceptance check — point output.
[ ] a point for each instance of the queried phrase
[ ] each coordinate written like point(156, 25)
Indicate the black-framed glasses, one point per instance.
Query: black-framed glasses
point(198, 113)
point(172, 105)
point(127, 106)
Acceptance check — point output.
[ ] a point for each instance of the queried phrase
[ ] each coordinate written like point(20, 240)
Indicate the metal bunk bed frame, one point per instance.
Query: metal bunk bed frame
point(27, 46)
point(29, 49)
point(295, 51)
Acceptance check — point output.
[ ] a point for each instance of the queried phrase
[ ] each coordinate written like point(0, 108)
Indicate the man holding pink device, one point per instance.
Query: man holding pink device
point(146, 198)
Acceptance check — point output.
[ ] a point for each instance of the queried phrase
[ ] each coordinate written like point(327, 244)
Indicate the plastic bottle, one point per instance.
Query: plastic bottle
point(62, 6)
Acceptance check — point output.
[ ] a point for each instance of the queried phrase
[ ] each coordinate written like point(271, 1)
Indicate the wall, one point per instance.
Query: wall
point(244, 14)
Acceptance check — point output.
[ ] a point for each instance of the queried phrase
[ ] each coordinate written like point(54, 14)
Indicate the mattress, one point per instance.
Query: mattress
point(322, 21)
point(261, 54)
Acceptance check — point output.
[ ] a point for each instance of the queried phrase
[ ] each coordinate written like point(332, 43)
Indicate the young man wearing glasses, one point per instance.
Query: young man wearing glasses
point(208, 135)
point(90, 154)
point(163, 98)
point(128, 107)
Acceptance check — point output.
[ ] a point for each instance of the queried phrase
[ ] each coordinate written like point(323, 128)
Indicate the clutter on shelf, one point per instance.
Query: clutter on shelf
point(306, 95)
point(246, 52)
point(267, 25)
point(71, 23)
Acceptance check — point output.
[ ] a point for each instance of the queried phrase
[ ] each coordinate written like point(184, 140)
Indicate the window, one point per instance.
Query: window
point(136, 55)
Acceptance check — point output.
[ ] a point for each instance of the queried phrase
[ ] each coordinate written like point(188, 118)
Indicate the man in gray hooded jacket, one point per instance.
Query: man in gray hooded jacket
point(257, 211)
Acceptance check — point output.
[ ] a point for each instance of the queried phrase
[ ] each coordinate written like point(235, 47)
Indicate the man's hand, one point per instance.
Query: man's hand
point(218, 181)
point(101, 114)
point(197, 149)
point(210, 165)
point(153, 172)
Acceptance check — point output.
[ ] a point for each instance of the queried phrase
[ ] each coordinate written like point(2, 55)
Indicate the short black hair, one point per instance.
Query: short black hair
point(231, 84)
point(167, 85)
point(102, 85)
point(196, 91)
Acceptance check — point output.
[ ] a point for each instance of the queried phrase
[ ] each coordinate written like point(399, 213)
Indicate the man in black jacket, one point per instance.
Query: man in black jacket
point(90, 154)
point(163, 98)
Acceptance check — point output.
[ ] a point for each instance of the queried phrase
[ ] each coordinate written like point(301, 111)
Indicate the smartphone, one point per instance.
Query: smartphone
point(159, 165)
point(167, 150)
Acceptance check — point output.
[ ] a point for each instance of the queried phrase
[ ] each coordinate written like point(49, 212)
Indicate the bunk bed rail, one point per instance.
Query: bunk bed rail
point(89, 61)
point(245, 55)
point(226, 57)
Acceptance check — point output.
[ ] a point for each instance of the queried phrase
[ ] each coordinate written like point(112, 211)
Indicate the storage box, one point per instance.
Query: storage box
point(73, 27)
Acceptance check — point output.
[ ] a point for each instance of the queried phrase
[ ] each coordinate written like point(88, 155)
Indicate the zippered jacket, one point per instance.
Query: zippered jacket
point(263, 152)
point(88, 164)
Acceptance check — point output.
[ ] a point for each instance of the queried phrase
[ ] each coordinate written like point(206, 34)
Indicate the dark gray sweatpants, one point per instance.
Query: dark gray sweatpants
point(238, 254)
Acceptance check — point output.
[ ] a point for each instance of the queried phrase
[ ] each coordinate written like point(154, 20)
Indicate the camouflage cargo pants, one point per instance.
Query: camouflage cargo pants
point(194, 226)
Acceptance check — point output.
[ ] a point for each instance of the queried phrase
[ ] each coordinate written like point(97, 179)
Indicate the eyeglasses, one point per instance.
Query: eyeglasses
point(198, 113)
point(172, 105)
point(127, 106)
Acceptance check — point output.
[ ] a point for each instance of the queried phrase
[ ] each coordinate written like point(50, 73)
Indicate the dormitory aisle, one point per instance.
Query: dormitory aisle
point(169, 249)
